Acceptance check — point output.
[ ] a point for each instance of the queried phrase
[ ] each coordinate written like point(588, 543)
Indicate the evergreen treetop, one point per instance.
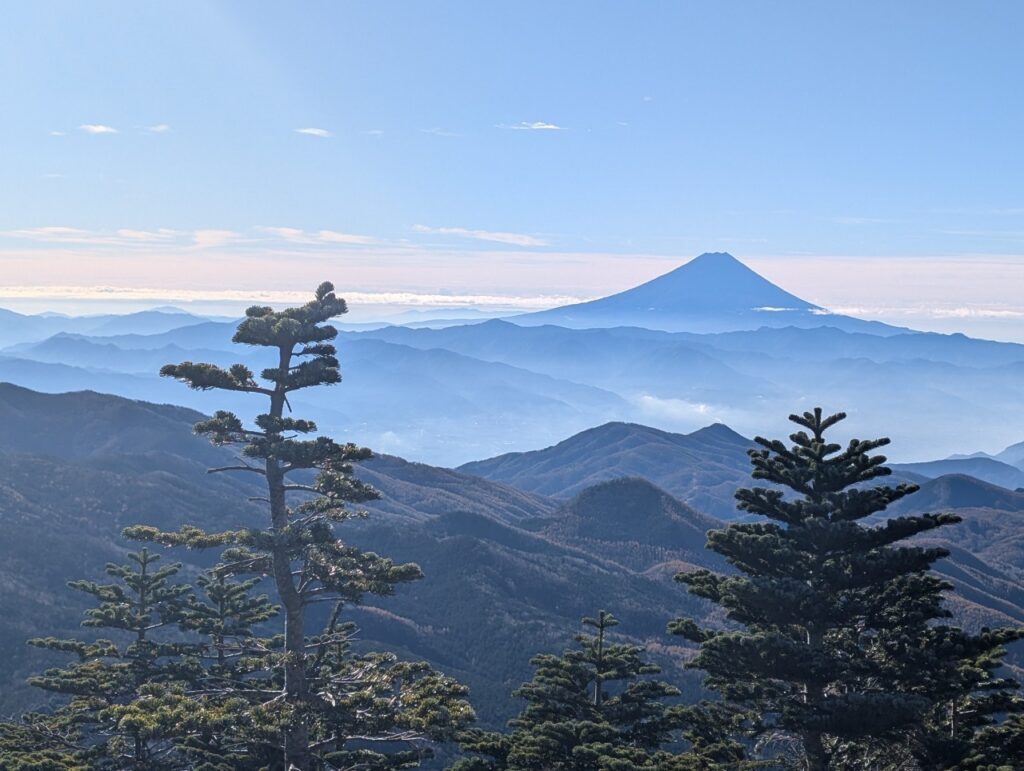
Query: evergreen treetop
point(837, 614)
point(593, 708)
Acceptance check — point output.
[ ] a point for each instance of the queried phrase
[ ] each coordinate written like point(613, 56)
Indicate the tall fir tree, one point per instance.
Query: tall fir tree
point(308, 564)
point(840, 647)
point(225, 688)
point(593, 708)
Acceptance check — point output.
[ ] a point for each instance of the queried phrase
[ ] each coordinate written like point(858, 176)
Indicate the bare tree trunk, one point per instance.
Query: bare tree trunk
point(296, 689)
point(814, 747)
point(814, 750)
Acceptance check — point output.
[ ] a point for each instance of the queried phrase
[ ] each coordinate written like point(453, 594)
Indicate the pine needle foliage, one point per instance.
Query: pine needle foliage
point(592, 708)
point(839, 643)
point(140, 609)
point(298, 548)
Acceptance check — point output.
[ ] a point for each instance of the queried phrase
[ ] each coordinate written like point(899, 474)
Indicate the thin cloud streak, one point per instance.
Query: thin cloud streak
point(440, 132)
point(334, 237)
point(515, 239)
point(314, 132)
point(122, 237)
point(531, 126)
point(163, 234)
point(299, 236)
point(97, 128)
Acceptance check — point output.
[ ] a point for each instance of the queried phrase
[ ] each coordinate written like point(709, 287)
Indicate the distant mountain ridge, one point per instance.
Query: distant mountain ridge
point(984, 468)
point(19, 327)
point(960, 491)
point(713, 292)
point(702, 468)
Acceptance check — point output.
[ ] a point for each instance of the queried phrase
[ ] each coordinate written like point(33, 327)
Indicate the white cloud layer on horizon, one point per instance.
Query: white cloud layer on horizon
point(97, 128)
point(945, 312)
point(974, 294)
point(515, 239)
point(314, 132)
point(243, 297)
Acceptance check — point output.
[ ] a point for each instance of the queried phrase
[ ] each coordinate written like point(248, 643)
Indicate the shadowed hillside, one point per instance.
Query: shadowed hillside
point(702, 469)
point(636, 524)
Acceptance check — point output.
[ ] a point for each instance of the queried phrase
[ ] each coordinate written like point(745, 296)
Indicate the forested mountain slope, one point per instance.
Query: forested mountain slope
point(76, 468)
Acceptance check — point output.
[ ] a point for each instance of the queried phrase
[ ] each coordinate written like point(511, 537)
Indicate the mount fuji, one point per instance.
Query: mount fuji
point(714, 292)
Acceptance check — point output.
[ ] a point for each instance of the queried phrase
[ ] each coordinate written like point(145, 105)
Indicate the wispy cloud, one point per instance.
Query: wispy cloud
point(204, 239)
point(298, 236)
point(334, 237)
point(169, 237)
point(122, 237)
point(374, 132)
point(289, 234)
point(536, 125)
point(52, 234)
point(1011, 234)
point(854, 220)
point(516, 239)
point(159, 128)
point(97, 128)
point(56, 133)
point(163, 234)
point(440, 132)
point(314, 132)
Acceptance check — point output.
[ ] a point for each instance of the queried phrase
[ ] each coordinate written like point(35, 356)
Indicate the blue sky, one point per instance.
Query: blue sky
point(525, 150)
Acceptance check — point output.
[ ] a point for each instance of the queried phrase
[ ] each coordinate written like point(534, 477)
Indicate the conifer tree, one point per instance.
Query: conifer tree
point(975, 704)
point(838, 647)
point(108, 675)
point(296, 695)
point(226, 615)
point(590, 709)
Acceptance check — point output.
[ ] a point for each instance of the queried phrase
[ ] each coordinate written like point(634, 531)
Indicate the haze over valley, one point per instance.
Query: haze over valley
point(709, 342)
